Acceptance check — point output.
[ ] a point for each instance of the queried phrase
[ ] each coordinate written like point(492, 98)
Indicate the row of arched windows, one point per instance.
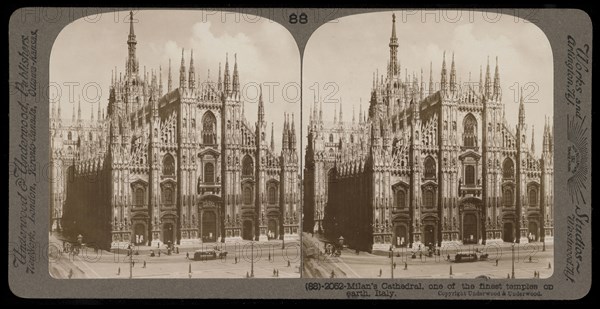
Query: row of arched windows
point(508, 197)
point(428, 198)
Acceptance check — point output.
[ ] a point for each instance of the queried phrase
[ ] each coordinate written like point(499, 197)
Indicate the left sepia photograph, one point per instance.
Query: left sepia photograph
point(174, 140)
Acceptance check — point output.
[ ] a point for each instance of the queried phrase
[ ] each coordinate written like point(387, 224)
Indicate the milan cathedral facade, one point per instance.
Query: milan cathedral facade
point(427, 166)
point(177, 166)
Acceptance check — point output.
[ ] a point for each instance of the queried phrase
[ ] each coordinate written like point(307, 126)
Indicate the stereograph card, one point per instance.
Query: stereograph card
point(330, 153)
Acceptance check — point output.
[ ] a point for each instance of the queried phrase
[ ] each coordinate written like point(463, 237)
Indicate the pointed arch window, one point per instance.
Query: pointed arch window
point(272, 195)
point(331, 138)
point(508, 169)
point(533, 198)
point(209, 128)
point(247, 167)
point(168, 168)
point(429, 168)
point(470, 131)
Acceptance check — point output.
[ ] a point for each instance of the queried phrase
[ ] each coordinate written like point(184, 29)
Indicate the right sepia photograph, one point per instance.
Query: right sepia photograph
point(428, 147)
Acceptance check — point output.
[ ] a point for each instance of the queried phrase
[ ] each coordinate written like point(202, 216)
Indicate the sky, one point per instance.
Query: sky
point(347, 52)
point(86, 52)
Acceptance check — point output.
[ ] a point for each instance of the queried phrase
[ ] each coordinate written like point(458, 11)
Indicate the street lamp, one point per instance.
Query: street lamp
point(130, 262)
point(513, 258)
point(283, 239)
point(252, 258)
point(392, 261)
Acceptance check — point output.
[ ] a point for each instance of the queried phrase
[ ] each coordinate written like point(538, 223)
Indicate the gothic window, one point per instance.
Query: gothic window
point(508, 197)
point(90, 136)
point(193, 123)
point(429, 168)
point(247, 195)
point(469, 175)
point(139, 196)
point(331, 138)
point(428, 198)
point(470, 131)
point(400, 199)
point(508, 169)
point(209, 173)
point(69, 136)
point(209, 128)
point(167, 195)
point(533, 200)
point(247, 166)
point(184, 122)
point(168, 168)
point(272, 195)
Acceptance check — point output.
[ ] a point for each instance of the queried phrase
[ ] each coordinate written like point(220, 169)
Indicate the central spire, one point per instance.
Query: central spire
point(132, 66)
point(393, 49)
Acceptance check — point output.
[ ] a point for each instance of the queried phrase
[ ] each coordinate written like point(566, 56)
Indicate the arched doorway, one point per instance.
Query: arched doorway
point(509, 235)
point(209, 226)
point(168, 233)
point(470, 235)
point(273, 229)
point(139, 232)
point(533, 234)
point(247, 230)
point(401, 237)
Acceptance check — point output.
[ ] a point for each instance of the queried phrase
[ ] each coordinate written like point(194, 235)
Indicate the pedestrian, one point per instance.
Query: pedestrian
point(332, 274)
point(394, 265)
point(288, 263)
point(496, 262)
point(405, 266)
point(187, 255)
point(144, 264)
point(530, 259)
point(235, 259)
point(380, 272)
point(70, 273)
point(278, 273)
point(420, 255)
point(273, 272)
point(269, 256)
point(132, 263)
point(448, 257)
point(119, 271)
point(158, 252)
